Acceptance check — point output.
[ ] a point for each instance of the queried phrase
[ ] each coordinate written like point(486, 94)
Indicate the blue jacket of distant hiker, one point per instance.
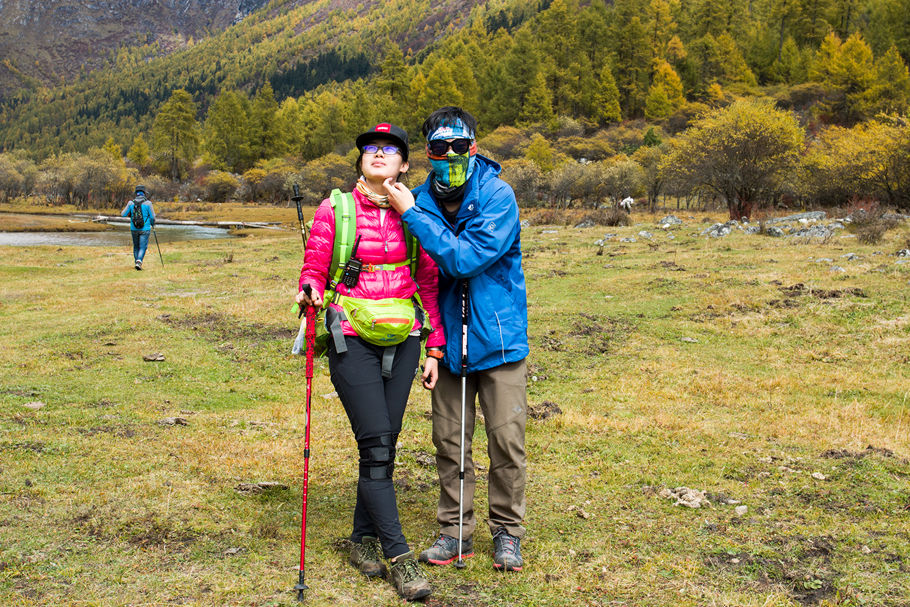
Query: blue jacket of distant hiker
point(484, 248)
point(148, 214)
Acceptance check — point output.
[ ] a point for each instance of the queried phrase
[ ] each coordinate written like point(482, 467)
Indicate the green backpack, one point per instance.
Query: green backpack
point(383, 322)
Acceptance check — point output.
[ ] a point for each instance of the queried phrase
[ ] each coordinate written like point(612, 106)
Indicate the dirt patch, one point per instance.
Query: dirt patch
point(34, 447)
point(118, 431)
point(669, 265)
point(799, 289)
point(217, 327)
point(592, 334)
point(466, 595)
point(148, 532)
point(544, 410)
point(803, 567)
point(858, 455)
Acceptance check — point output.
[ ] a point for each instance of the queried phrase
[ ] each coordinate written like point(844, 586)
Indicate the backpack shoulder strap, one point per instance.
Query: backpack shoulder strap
point(413, 251)
point(345, 230)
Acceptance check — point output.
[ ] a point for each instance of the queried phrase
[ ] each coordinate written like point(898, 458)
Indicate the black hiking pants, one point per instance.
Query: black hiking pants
point(375, 406)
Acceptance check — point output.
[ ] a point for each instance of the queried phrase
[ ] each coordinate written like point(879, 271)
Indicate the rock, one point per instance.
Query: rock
point(587, 223)
point(609, 236)
point(866, 550)
point(816, 231)
point(232, 551)
point(173, 421)
point(901, 262)
point(689, 340)
point(753, 229)
point(549, 231)
point(818, 476)
point(774, 232)
point(718, 230)
point(670, 220)
point(690, 498)
point(646, 234)
point(741, 510)
point(627, 239)
point(524, 223)
point(850, 256)
point(153, 357)
point(837, 269)
point(824, 260)
point(810, 216)
point(330, 395)
point(34, 405)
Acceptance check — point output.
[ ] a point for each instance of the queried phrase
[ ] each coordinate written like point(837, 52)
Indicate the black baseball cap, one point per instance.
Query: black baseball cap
point(384, 130)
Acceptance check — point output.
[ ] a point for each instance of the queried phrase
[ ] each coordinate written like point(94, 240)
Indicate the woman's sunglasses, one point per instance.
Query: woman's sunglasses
point(439, 147)
point(388, 150)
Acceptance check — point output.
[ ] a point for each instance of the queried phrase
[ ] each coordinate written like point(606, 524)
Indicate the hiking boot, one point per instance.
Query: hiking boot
point(409, 578)
point(445, 550)
point(367, 556)
point(138, 264)
point(506, 551)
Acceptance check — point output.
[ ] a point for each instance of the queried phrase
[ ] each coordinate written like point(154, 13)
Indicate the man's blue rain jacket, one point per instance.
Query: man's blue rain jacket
point(484, 248)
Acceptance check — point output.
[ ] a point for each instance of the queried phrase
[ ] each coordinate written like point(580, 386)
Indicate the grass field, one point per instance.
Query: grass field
point(743, 367)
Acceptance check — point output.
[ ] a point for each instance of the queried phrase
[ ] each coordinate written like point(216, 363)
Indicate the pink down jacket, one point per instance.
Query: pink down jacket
point(379, 244)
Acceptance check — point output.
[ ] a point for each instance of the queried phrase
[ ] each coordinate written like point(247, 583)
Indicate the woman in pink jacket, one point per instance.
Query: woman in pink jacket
point(373, 381)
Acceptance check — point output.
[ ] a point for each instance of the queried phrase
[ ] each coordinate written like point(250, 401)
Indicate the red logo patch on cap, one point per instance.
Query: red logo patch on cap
point(383, 128)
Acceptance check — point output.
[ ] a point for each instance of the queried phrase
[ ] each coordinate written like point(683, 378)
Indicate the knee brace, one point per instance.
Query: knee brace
point(377, 457)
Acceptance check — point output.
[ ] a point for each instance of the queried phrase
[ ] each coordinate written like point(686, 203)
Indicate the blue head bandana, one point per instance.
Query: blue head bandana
point(453, 170)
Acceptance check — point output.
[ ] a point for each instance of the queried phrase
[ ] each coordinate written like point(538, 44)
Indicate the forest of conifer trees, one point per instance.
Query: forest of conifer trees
point(580, 101)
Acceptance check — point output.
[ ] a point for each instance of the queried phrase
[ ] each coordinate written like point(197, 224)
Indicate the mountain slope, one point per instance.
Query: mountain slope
point(49, 42)
point(120, 101)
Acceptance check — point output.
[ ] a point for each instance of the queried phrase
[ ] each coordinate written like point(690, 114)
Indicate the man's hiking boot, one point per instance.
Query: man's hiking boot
point(409, 578)
point(445, 550)
point(367, 556)
point(506, 551)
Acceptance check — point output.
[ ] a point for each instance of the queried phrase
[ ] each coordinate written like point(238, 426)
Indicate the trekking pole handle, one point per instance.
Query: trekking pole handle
point(306, 288)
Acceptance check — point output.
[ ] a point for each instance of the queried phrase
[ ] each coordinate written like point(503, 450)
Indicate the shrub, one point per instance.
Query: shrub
point(220, 186)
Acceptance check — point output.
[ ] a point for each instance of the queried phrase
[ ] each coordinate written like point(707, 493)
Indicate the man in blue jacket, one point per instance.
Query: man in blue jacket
point(466, 218)
point(142, 219)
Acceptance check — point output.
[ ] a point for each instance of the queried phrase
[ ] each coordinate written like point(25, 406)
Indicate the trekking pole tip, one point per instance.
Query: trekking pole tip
point(460, 564)
point(301, 588)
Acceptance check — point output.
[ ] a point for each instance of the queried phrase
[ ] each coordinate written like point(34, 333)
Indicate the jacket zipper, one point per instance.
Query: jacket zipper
point(502, 344)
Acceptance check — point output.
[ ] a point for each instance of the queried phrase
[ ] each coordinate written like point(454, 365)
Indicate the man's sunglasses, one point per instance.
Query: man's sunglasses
point(388, 150)
point(439, 147)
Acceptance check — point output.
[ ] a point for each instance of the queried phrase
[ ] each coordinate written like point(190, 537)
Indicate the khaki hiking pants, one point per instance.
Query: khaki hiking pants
point(502, 393)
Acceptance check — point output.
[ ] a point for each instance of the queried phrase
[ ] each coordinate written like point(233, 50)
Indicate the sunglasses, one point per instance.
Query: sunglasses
point(388, 150)
point(439, 147)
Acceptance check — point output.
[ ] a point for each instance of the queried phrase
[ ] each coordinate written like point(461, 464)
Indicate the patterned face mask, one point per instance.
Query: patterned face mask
point(453, 170)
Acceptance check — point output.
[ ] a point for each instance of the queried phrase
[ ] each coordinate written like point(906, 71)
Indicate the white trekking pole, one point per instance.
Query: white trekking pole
point(460, 564)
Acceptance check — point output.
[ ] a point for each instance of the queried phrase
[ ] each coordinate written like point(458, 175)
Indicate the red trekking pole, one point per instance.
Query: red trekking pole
point(310, 348)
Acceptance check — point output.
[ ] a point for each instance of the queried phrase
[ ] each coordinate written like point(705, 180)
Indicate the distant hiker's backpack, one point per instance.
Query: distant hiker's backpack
point(136, 217)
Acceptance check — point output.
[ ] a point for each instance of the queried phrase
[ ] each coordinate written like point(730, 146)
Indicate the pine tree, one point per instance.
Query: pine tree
point(537, 107)
point(175, 135)
point(890, 92)
point(265, 138)
point(606, 107)
point(138, 153)
point(633, 54)
point(226, 135)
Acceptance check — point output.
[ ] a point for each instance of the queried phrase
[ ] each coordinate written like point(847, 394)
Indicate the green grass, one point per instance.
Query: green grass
point(680, 363)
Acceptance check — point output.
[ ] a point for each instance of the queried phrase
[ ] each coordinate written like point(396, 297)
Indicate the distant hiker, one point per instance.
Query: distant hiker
point(142, 218)
point(626, 204)
point(372, 379)
point(466, 218)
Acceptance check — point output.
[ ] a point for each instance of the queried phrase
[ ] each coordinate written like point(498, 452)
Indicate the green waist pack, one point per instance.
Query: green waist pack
point(382, 322)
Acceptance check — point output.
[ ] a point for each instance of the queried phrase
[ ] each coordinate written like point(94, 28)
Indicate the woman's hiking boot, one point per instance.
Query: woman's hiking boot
point(367, 557)
point(445, 550)
point(506, 551)
point(409, 578)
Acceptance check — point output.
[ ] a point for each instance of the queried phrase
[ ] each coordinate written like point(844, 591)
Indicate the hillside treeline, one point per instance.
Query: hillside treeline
point(569, 96)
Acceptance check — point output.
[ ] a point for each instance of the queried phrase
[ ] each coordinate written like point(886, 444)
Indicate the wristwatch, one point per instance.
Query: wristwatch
point(438, 354)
